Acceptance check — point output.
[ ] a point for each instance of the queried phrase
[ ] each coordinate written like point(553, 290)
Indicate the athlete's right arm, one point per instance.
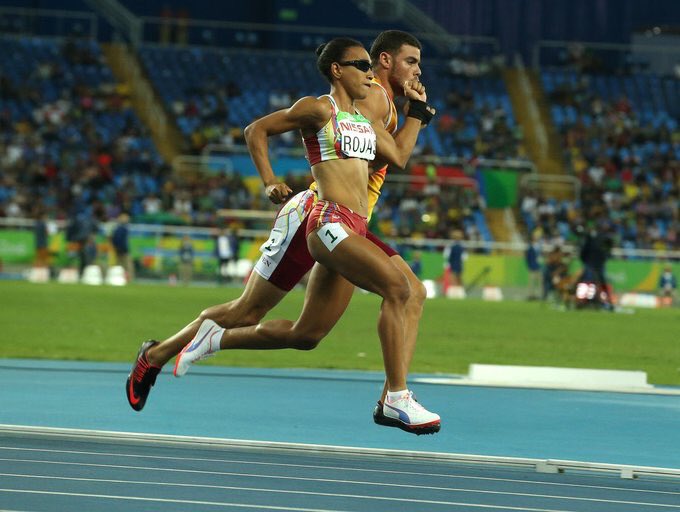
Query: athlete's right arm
point(307, 114)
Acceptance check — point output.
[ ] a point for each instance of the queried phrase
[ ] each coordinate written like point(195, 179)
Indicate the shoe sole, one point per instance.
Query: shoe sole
point(386, 422)
point(420, 430)
point(426, 429)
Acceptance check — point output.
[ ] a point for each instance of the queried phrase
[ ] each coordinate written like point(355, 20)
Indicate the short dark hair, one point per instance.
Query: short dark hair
point(391, 41)
point(333, 51)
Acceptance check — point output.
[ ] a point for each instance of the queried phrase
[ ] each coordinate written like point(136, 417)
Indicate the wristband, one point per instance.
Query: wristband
point(421, 111)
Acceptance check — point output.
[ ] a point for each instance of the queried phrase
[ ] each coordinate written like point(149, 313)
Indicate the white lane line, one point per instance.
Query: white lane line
point(163, 500)
point(624, 470)
point(357, 496)
point(271, 507)
point(346, 469)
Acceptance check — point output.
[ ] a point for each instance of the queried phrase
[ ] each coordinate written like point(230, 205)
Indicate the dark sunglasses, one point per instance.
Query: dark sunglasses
point(361, 65)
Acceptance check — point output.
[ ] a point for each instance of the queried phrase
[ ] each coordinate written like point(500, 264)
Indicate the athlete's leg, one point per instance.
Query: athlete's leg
point(284, 261)
point(414, 310)
point(365, 265)
point(258, 298)
point(326, 299)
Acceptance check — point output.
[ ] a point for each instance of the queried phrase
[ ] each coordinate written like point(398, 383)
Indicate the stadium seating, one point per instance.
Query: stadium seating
point(214, 93)
point(197, 84)
point(71, 136)
point(622, 140)
point(61, 92)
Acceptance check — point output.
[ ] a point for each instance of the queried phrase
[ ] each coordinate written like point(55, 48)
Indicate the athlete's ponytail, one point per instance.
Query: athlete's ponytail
point(333, 51)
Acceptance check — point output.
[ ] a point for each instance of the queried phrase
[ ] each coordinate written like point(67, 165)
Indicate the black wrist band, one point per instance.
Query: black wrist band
point(421, 111)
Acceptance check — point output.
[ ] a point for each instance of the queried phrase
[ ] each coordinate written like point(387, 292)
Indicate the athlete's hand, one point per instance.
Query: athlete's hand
point(415, 90)
point(278, 192)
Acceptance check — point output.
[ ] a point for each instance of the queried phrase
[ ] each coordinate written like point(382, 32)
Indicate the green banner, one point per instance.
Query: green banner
point(16, 246)
point(500, 188)
point(511, 271)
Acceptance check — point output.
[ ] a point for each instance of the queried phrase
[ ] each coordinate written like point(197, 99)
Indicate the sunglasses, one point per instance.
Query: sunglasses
point(361, 65)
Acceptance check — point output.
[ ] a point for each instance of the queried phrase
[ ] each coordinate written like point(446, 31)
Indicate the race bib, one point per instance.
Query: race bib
point(273, 244)
point(331, 235)
point(357, 139)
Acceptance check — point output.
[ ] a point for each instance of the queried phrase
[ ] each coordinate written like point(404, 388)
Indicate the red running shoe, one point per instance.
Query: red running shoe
point(141, 378)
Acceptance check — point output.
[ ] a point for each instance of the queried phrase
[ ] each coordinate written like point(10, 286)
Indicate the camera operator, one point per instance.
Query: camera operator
point(595, 251)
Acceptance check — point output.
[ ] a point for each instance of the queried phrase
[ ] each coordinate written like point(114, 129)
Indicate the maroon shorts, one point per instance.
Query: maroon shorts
point(326, 212)
point(290, 261)
point(284, 258)
point(386, 248)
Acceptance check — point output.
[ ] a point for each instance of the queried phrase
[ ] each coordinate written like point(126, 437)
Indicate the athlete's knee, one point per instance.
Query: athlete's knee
point(397, 287)
point(249, 315)
point(307, 342)
point(214, 313)
point(308, 339)
point(418, 293)
point(280, 329)
point(234, 314)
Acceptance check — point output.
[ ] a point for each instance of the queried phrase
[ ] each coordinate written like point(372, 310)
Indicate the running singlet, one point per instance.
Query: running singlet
point(377, 177)
point(345, 135)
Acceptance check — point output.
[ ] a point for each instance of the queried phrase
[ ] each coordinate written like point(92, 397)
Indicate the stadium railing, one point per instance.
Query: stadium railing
point(47, 22)
point(201, 32)
point(551, 184)
point(158, 231)
point(613, 56)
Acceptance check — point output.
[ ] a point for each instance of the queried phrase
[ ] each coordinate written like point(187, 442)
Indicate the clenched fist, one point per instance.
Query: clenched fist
point(277, 192)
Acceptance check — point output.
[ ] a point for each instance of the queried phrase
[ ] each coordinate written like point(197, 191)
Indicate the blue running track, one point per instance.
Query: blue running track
point(248, 439)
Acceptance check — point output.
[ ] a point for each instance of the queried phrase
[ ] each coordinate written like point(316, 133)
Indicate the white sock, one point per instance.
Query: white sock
point(215, 340)
point(395, 395)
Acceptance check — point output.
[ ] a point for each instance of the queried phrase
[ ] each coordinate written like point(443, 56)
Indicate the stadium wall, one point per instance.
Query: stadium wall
point(157, 257)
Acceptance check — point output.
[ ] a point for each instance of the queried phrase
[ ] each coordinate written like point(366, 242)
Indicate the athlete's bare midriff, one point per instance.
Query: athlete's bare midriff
point(344, 182)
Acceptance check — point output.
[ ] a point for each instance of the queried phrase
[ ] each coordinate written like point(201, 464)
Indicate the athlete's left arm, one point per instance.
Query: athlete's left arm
point(387, 150)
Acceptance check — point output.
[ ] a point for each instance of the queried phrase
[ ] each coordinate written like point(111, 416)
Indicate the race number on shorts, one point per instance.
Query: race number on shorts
point(332, 234)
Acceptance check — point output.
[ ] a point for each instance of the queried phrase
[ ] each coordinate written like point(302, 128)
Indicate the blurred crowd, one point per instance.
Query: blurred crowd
point(72, 147)
point(70, 143)
point(626, 158)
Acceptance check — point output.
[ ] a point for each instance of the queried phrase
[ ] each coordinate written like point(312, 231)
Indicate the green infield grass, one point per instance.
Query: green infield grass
point(77, 322)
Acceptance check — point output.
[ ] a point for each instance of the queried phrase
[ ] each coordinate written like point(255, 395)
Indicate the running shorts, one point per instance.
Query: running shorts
point(326, 212)
point(285, 258)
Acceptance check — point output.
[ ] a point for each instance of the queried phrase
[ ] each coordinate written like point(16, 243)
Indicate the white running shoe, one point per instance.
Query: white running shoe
point(199, 348)
point(410, 415)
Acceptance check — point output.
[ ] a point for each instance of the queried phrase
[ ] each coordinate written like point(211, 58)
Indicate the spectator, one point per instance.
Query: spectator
point(552, 268)
point(455, 258)
point(121, 245)
point(594, 254)
point(41, 237)
point(667, 286)
point(186, 260)
point(417, 264)
point(78, 230)
point(532, 259)
point(90, 250)
point(226, 250)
